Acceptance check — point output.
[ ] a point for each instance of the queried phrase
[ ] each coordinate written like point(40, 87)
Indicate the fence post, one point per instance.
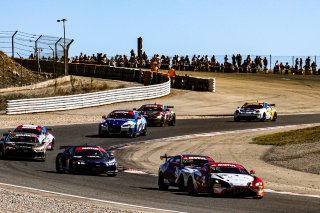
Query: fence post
point(12, 41)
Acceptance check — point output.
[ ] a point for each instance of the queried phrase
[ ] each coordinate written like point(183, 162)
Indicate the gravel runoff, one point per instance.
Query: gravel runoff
point(12, 200)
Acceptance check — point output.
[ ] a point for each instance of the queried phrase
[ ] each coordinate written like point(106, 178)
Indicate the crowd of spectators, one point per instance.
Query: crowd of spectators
point(237, 63)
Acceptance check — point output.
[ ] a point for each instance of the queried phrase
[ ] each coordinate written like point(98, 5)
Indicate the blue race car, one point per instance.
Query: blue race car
point(86, 159)
point(123, 122)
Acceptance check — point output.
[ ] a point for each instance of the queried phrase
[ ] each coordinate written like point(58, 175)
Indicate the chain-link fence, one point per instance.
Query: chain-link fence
point(25, 45)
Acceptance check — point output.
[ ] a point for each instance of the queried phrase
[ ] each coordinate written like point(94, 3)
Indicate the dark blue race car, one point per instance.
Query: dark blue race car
point(86, 159)
point(123, 122)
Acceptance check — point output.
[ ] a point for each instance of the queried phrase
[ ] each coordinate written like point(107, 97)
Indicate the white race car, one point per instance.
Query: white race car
point(260, 111)
point(219, 178)
point(44, 137)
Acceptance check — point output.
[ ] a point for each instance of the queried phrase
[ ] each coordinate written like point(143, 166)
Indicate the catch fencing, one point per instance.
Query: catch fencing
point(23, 106)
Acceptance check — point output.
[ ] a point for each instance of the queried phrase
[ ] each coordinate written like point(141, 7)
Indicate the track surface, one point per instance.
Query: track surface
point(142, 189)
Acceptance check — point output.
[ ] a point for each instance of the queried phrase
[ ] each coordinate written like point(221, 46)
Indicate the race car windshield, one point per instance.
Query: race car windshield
point(24, 139)
point(90, 153)
point(194, 162)
point(121, 116)
point(252, 106)
point(32, 131)
point(231, 170)
point(151, 109)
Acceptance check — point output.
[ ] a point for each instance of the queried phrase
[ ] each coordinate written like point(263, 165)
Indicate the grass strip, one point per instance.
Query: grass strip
point(307, 135)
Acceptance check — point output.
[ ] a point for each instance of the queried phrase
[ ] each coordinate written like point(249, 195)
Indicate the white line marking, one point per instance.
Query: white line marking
point(88, 198)
point(291, 193)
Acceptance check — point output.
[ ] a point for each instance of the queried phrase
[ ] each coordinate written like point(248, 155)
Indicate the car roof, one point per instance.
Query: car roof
point(88, 147)
point(23, 135)
point(152, 105)
point(196, 155)
point(124, 111)
point(29, 126)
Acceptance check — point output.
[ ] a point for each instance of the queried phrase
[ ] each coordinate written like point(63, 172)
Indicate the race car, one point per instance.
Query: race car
point(42, 133)
point(260, 111)
point(123, 122)
point(158, 114)
point(219, 178)
point(22, 145)
point(176, 169)
point(86, 159)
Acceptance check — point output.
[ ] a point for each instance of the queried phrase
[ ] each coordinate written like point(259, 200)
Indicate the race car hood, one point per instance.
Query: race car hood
point(248, 110)
point(190, 169)
point(233, 179)
point(118, 122)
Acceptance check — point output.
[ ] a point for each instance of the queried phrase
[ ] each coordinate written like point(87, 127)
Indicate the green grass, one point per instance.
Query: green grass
point(307, 135)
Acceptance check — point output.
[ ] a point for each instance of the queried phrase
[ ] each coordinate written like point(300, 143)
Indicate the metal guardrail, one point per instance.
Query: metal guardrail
point(59, 103)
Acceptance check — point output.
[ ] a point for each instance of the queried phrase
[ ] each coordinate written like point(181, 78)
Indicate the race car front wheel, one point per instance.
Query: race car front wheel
point(2, 152)
point(161, 184)
point(264, 117)
point(181, 184)
point(191, 189)
point(58, 166)
point(144, 131)
point(173, 121)
point(275, 116)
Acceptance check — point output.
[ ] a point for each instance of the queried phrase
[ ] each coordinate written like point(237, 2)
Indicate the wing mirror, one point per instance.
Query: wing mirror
point(203, 170)
point(139, 117)
point(175, 164)
point(252, 172)
point(104, 116)
point(167, 109)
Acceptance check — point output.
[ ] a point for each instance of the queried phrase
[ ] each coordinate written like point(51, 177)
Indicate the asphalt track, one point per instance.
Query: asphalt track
point(142, 189)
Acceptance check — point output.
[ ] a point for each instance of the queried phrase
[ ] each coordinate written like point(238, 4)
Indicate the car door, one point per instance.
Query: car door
point(171, 172)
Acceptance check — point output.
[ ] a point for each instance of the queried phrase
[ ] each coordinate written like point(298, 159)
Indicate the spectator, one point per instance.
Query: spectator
point(265, 63)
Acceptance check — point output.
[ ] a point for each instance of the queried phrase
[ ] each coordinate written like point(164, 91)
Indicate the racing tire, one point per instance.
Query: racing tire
point(190, 187)
point(144, 131)
point(258, 197)
point(43, 159)
point(100, 133)
point(264, 117)
point(134, 134)
point(162, 123)
point(52, 145)
point(112, 175)
point(181, 186)
point(162, 186)
point(59, 168)
point(210, 189)
point(71, 167)
point(173, 121)
point(275, 117)
point(2, 153)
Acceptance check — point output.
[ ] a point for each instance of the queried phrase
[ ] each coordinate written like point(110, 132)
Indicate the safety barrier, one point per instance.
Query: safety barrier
point(87, 100)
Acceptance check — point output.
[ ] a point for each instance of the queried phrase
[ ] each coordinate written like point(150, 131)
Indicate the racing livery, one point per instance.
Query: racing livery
point(261, 111)
point(42, 133)
point(176, 169)
point(218, 178)
point(86, 159)
point(158, 114)
point(123, 122)
point(22, 145)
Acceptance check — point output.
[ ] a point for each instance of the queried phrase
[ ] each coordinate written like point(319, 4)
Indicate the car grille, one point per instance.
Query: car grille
point(114, 129)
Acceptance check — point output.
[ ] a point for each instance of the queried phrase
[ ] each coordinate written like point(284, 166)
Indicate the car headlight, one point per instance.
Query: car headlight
point(39, 149)
point(128, 125)
point(104, 124)
point(81, 162)
point(258, 184)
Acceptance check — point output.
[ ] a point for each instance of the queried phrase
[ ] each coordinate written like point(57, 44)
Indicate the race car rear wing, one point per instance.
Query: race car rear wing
point(170, 107)
point(165, 156)
point(273, 105)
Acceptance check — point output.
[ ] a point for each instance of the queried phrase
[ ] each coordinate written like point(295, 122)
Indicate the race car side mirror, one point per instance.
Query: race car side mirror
point(252, 172)
point(167, 109)
point(104, 117)
point(139, 117)
point(175, 164)
point(203, 170)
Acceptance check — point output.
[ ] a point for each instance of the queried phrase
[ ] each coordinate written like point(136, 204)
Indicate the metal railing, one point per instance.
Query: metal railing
point(59, 103)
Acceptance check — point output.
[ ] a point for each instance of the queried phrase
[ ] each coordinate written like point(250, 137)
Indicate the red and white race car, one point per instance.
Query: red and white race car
point(218, 178)
point(41, 132)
